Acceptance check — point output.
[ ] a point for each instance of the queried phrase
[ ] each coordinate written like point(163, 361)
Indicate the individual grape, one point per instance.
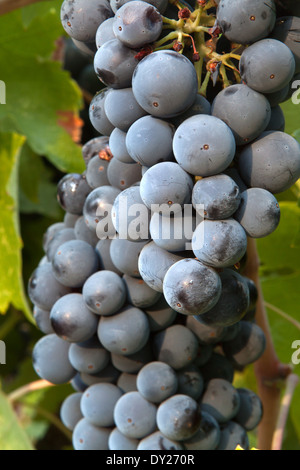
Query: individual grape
point(126, 332)
point(174, 74)
point(246, 22)
point(104, 293)
point(86, 436)
point(233, 435)
point(72, 191)
point(157, 441)
point(233, 302)
point(123, 175)
point(82, 232)
point(161, 5)
point(42, 319)
point(139, 294)
point(122, 109)
point(190, 382)
point(50, 360)
point(97, 113)
point(107, 375)
point(191, 288)
point(277, 121)
point(203, 355)
point(125, 255)
point(232, 331)
point(143, 136)
point(137, 23)
point(251, 409)
point(267, 66)
point(160, 315)
point(50, 233)
point(98, 402)
point(178, 417)
point(200, 106)
point(287, 30)
point(103, 250)
point(217, 367)
point(157, 381)
point(97, 146)
point(221, 400)
point(105, 32)
point(219, 195)
point(96, 173)
point(153, 263)
point(278, 96)
point(204, 145)
point(134, 416)
point(208, 435)
point(60, 237)
point(271, 162)
point(206, 334)
point(81, 21)
point(117, 441)
point(72, 320)
point(97, 210)
point(133, 363)
point(70, 220)
point(166, 187)
point(88, 357)
point(130, 216)
point(117, 143)
point(253, 292)
point(77, 384)
point(172, 233)
point(258, 213)
point(74, 262)
point(177, 346)
point(219, 243)
point(247, 347)
point(70, 412)
point(244, 110)
point(43, 289)
point(127, 382)
point(115, 63)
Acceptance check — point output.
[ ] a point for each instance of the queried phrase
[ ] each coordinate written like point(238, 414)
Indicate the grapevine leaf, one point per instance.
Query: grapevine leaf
point(39, 94)
point(12, 291)
point(12, 435)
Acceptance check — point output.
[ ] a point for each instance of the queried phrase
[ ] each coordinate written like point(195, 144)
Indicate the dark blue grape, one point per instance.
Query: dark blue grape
point(217, 367)
point(86, 436)
point(134, 362)
point(117, 143)
point(104, 293)
point(117, 441)
point(157, 381)
point(72, 191)
point(125, 255)
point(204, 145)
point(60, 237)
point(123, 175)
point(98, 403)
point(97, 210)
point(139, 294)
point(208, 435)
point(287, 30)
point(247, 347)
point(179, 417)
point(221, 400)
point(277, 121)
point(157, 441)
point(97, 113)
point(174, 74)
point(251, 409)
point(97, 146)
point(82, 232)
point(190, 381)
point(70, 412)
point(134, 416)
point(137, 23)
point(126, 332)
point(72, 320)
point(160, 315)
point(172, 233)
point(127, 382)
point(42, 319)
point(103, 250)
point(233, 435)
point(51, 361)
point(105, 32)
point(122, 109)
point(88, 357)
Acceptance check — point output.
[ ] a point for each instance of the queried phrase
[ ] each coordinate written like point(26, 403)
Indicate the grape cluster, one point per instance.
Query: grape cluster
point(141, 294)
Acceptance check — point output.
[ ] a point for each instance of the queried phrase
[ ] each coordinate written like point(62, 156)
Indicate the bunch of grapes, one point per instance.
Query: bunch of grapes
point(141, 293)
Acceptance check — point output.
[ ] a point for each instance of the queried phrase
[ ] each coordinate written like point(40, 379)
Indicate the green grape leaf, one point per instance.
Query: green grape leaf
point(40, 98)
point(12, 435)
point(12, 291)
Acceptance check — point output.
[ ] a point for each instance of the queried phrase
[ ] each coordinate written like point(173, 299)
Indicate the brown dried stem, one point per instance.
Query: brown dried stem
point(270, 372)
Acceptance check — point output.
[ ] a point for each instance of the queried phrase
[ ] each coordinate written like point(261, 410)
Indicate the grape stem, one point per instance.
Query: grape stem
point(28, 388)
point(270, 372)
point(291, 384)
point(9, 5)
